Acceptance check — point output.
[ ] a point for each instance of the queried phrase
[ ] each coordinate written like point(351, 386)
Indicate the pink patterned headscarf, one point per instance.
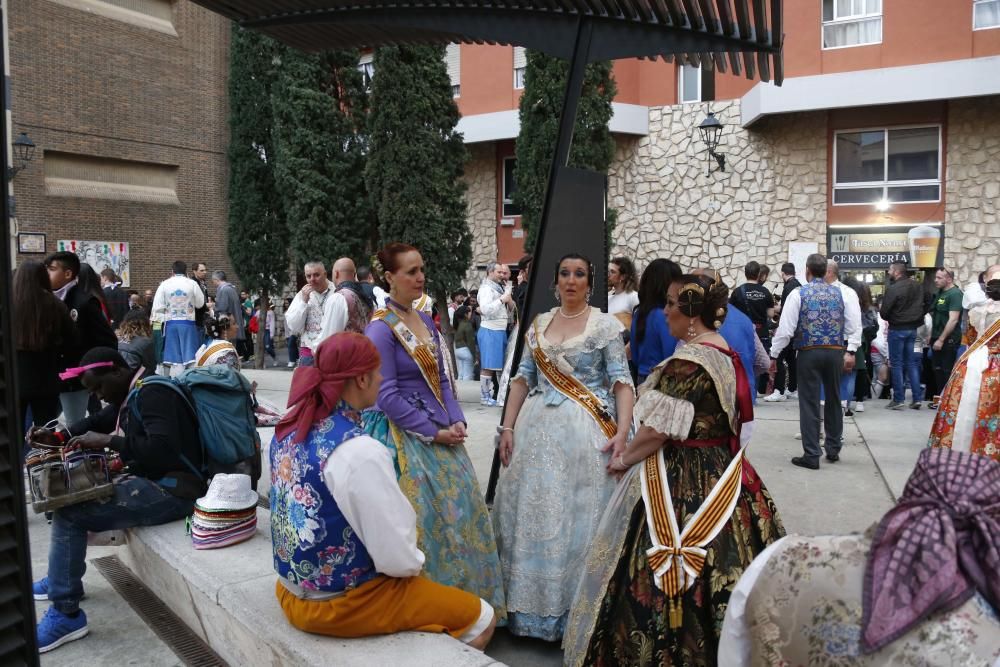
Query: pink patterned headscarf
point(936, 548)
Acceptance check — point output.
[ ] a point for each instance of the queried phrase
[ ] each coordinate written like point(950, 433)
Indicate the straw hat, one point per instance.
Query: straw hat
point(228, 492)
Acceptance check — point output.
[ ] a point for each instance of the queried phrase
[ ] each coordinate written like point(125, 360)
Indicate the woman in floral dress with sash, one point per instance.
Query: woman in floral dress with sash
point(420, 421)
point(690, 513)
point(968, 416)
point(569, 403)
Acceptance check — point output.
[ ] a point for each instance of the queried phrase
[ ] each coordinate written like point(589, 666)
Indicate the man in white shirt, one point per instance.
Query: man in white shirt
point(316, 313)
point(495, 303)
point(852, 330)
point(354, 570)
point(176, 300)
point(813, 318)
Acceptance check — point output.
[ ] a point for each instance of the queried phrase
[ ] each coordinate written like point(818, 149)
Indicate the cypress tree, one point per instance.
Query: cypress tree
point(416, 162)
point(539, 111)
point(319, 114)
point(257, 239)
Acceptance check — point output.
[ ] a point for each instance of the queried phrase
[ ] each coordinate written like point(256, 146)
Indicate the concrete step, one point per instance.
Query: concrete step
point(227, 597)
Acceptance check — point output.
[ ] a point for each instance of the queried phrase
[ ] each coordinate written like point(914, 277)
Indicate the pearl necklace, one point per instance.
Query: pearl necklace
point(701, 335)
point(573, 317)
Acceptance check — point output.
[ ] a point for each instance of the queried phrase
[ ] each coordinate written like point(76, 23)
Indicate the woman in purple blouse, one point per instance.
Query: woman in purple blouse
point(420, 421)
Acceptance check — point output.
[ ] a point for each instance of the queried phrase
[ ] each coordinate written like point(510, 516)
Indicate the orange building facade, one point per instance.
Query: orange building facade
point(888, 121)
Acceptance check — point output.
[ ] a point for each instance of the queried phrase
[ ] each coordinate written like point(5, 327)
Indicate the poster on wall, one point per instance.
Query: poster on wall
point(920, 246)
point(798, 252)
point(101, 255)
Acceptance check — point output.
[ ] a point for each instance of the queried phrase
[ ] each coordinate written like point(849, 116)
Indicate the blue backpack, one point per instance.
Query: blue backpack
point(222, 402)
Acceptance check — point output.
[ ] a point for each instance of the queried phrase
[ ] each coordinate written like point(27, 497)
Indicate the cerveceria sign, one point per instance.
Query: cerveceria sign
point(920, 246)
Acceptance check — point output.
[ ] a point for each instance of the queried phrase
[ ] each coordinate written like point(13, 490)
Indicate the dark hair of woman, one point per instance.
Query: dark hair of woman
point(216, 327)
point(859, 289)
point(653, 288)
point(461, 313)
point(574, 255)
point(702, 297)
point(389, 256)
point(627, 271)
point(135, 324)
point(993, 290)
point(38, 313)
point(89, 283)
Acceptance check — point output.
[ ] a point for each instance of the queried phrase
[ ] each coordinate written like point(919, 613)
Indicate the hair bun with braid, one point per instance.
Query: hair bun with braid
point(704, 298)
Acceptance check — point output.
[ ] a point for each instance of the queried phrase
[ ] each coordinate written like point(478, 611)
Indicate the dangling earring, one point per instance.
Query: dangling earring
point(691, 331)
point(590, 293)
point(558, 298)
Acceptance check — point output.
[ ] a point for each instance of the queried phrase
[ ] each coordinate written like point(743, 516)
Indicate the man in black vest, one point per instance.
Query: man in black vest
point(92, 327)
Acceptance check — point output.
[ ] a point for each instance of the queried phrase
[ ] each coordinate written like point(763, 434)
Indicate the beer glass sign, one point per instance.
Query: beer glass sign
point(923, 242)
point(918, 246)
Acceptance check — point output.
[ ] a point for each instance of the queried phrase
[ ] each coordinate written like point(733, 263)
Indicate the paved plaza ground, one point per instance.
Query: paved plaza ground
point(880, 450)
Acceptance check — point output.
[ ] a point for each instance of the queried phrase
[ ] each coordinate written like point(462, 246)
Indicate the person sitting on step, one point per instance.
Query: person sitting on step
point(157, 448)
point(343, 534)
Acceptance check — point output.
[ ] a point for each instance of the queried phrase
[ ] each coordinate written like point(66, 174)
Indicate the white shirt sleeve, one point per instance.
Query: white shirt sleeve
point(734, 641)
point(295, 316)
point(334, 315)
point(852, 318)
point(360, 475)
point(490, 305)
point(787, 324)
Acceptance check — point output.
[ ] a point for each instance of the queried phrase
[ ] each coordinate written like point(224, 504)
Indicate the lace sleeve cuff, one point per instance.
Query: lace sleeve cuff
point(669, 416)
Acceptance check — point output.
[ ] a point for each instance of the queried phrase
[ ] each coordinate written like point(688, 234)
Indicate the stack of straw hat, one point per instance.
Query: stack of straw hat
point(226, 515)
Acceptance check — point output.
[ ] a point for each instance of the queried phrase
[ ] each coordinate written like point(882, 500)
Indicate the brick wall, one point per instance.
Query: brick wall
point(92, 85)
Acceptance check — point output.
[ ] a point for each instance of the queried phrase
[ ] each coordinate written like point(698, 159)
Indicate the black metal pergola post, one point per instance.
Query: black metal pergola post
point(18, 645)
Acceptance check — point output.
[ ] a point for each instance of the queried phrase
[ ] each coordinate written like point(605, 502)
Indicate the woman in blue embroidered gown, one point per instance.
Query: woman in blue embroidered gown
point(420, 421)
point(554, 443)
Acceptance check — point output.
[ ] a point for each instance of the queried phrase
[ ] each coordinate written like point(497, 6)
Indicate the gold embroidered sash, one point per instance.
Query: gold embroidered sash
point(678, 556)
point(570, 387)
point(983, 339)
point(421, 353)
point(217, 347)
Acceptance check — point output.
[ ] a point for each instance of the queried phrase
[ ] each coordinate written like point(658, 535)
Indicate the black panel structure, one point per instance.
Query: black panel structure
point(17, 607)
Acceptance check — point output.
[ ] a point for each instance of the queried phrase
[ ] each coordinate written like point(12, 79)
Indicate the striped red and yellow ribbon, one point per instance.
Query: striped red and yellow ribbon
point(678, 555)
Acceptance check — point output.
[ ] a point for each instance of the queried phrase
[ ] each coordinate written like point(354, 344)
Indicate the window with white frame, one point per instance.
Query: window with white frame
point(688, 83)
point(367, 68)
point(899, 165)
point(509, 188)
point(851, 23)
point(985, 14)
point(520, 66)
point(453, 61)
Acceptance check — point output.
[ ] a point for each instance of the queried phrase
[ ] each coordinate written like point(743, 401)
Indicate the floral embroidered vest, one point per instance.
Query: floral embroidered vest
point(314, 546)
point(358, 312)
point(821, 316)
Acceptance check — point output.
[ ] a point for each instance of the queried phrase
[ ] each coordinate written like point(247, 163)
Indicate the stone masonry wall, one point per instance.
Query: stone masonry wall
point(481, 207)
point(772, 192)
point(972, 187)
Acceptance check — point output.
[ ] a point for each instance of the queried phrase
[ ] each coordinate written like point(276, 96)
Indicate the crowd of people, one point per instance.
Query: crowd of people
point(629, 525)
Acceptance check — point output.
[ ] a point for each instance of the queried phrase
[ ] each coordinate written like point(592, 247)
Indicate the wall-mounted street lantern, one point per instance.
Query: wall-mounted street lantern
point(711, 130)
point(24, 152)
